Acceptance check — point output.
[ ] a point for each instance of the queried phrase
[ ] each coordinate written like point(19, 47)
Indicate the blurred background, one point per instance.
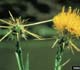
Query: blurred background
point(41, 54)
point(34, 9)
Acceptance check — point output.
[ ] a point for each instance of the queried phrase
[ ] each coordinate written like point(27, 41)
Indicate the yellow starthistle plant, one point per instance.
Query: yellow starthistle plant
point(18, 28)
point(69, 21)
point(68, 25)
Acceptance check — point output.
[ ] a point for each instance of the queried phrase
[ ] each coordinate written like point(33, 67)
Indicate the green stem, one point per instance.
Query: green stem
point(18, 54)
point(58, 58)
point(27, 62)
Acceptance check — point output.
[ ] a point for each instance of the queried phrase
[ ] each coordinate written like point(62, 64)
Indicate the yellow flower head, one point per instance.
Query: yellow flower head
point(69, 20)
